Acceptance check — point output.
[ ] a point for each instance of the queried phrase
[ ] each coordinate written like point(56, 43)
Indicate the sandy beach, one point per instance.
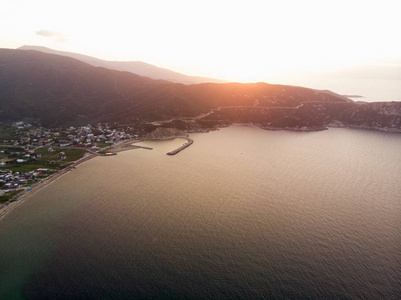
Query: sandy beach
point(113, 150)
point(20, 198)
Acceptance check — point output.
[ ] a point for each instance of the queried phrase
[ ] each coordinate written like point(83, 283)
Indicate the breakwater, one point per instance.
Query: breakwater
point(141, 147)
point(176, 151)
point(187, 144)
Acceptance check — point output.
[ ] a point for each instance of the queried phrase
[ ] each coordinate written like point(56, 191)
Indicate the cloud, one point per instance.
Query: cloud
point(48, 33)
point(51, 34)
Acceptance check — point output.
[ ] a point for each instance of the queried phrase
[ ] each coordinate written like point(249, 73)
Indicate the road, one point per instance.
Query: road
point(232, 107)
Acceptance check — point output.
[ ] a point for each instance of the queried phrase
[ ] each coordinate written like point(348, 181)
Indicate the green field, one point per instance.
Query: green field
point(49, 160)
point(10, 132)
point(102, 145)
point(8, 195)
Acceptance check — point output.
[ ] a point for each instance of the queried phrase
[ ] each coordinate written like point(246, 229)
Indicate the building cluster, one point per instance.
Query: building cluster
point(21, 147)
point(19, 157)
point(89, 136)
point(10, 180)
point(34, 138)
point(85, 136)
point(27, 139)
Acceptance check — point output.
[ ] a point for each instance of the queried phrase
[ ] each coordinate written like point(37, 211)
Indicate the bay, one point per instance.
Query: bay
point(242, 213)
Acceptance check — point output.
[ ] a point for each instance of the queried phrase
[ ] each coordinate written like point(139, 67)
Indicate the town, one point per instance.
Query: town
point(30, 153)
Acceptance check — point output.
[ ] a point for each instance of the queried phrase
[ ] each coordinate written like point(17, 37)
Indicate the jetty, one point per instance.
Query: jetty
point(141, 147)
point(187, 144)
point(163, 134)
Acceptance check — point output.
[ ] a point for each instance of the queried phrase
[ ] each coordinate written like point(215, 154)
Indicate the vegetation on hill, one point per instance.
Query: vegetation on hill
point(61, 91)
point(136, 67)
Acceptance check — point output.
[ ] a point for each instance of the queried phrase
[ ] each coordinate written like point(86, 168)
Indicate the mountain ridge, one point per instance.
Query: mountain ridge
point(136, 67)
point(61, 91)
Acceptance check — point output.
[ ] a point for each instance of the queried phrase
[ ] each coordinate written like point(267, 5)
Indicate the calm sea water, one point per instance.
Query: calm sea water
point(242, 213)
point(370, 90)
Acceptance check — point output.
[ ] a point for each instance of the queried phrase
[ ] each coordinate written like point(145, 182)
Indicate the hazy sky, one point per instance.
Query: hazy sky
point(234, 40)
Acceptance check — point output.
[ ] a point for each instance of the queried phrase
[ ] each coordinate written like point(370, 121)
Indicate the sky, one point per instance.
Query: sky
point(246, 41)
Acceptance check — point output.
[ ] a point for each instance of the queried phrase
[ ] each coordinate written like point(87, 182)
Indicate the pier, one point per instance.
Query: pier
point(187, 144)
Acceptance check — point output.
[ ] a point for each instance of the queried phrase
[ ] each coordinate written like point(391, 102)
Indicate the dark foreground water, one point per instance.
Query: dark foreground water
point(242, 213)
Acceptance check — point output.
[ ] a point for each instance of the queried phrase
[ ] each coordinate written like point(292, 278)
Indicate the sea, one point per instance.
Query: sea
point(357, 89)
point(243, 213)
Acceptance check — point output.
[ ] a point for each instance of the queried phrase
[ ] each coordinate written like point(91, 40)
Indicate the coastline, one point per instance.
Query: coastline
point(10, 205)
point(113, 150)
point(308, 129)
point(173, 152)
point(130, 145)
point(379, 129)
point(20, 198)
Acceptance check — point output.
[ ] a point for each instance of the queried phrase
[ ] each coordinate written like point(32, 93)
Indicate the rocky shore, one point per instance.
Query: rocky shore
point(375, 128)
point(307, 116)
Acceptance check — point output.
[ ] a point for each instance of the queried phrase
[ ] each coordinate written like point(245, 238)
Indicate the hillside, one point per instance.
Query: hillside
point(61, 91)
point(136, 67)
point(58, 90)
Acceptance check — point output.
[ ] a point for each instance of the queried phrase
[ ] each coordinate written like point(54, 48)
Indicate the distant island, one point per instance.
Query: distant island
point(353, 96)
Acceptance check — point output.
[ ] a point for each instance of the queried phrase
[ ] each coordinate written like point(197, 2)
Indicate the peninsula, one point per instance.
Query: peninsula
point(57, 111)
point(59, 91)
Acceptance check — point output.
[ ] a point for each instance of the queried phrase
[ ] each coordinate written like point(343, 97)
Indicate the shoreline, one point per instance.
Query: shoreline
point(377, 129)
point(14, 202)
point(20, 198)
point(10, 205)
point(306, 128)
